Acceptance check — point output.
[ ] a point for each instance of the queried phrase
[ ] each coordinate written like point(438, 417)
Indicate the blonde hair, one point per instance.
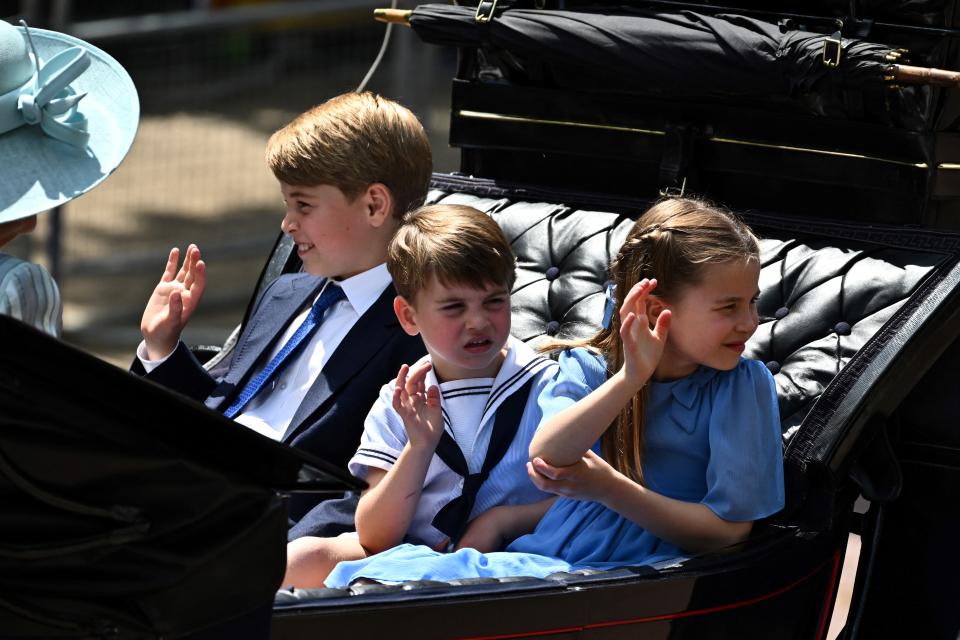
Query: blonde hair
point(456, 243)
point(352, 141)
point(673, 241)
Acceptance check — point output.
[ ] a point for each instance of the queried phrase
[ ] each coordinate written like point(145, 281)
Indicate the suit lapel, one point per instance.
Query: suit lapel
point(284, 304)
point(361, 343)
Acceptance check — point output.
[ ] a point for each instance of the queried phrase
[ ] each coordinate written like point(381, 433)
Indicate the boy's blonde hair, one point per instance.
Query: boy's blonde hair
point(352, 141)
point(674, 241)
point(456, 243)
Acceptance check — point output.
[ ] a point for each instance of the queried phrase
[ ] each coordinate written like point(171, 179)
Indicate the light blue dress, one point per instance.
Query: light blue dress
point(712, 437)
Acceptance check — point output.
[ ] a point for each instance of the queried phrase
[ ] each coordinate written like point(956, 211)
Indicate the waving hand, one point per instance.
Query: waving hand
point(174, 300)
point(642, 345)
point(418, 406)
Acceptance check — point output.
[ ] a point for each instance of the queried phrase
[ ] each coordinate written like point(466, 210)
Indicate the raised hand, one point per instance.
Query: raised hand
point(418, 406)
point(174, 300)
point(642, 345)
point(590, 478)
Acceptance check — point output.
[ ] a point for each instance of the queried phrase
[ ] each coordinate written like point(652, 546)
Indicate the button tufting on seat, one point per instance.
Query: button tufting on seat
point(553, 327)
point(774, 367)
point(552, 273)
point(781, 313)
point(842, 328)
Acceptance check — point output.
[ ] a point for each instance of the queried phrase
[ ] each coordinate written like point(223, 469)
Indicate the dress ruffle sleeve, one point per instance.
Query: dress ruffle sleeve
point(580, 372)
point(745, 469)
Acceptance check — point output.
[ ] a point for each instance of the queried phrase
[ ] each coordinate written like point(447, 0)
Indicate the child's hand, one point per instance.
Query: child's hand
point(587, 479)
point(485, 533)
point(642, 346)
point(174, 300)
point(418, 406)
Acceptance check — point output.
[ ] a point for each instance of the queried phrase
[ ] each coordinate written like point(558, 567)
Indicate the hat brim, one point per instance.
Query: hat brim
point(40, 172)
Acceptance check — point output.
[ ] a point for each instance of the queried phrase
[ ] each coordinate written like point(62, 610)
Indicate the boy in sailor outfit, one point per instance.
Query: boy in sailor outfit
point(445, 447)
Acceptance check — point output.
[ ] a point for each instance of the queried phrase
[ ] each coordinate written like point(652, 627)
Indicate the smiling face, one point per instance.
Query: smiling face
point(464, 328)
point(711, 320)
point(336, 236)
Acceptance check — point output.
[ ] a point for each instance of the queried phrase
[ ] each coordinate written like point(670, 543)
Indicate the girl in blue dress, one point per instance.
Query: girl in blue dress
point(689, 452)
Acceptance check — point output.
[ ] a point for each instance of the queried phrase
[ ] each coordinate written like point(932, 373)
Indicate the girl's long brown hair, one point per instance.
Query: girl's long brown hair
point(673, 241)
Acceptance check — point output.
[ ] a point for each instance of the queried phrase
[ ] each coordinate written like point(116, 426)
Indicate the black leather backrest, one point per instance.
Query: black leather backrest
point(823, 298)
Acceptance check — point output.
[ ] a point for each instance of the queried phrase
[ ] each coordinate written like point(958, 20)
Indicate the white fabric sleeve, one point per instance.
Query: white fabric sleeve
point(384, 436)
point(150, 365)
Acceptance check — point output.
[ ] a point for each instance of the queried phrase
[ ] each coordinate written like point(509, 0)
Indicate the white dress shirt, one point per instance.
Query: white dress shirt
point(271, 411)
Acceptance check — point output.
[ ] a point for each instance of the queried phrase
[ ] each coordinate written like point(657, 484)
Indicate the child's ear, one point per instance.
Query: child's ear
point(654, 306)
point(407, 315)
point(379, 204)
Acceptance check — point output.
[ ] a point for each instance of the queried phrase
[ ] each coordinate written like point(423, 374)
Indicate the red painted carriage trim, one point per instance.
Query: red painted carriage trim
point(833, 561)
point(822, 628)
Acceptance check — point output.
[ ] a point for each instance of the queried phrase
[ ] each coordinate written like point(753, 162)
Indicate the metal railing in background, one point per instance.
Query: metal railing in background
point(214, 82)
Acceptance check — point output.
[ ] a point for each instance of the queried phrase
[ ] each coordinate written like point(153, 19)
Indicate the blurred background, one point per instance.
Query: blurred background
point(215, 78)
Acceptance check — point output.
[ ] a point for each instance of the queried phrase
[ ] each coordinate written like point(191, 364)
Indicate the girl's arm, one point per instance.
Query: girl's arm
point(564, 437)
point(692, 526)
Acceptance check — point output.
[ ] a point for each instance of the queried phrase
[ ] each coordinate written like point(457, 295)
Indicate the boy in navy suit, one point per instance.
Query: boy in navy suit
point(307, 366)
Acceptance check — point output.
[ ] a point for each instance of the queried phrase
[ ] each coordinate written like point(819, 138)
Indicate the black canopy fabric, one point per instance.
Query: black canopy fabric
point(680, 53)
point(127, 507)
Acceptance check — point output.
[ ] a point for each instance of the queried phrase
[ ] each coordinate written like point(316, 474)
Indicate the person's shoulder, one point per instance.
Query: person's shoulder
point(750, 371)
point(29, 276)
point(580, 366)
point(750, 378)
point(13, 267)
point(583, 358)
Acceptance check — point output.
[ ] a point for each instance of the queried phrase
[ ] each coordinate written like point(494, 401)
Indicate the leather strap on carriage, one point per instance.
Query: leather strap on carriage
point(452, 519)
point(675, 163)
point(487, 10)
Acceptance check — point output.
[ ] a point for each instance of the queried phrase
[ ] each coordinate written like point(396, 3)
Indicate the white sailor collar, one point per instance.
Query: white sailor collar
point(520, 364)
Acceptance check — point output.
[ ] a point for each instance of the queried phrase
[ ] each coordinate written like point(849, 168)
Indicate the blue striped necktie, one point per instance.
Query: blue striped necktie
point(331, 295)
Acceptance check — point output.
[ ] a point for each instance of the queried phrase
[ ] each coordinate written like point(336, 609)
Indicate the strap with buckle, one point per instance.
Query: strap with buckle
point(485, 11)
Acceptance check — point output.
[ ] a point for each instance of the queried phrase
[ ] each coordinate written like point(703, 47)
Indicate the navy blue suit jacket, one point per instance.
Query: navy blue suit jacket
point(329, 421)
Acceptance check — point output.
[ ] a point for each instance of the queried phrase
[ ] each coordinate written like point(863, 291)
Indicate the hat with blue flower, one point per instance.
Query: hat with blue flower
point(68, 115)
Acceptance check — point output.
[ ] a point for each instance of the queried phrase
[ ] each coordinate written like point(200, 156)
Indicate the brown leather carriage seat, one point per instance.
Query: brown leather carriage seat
point(841, 306)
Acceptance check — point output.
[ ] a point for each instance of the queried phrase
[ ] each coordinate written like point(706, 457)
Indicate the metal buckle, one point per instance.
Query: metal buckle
point(832, 47)
point(675, 192)
point(485, 9)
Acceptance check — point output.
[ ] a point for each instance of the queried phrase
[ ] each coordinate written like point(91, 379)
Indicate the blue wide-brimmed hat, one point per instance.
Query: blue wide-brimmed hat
point(68, 115)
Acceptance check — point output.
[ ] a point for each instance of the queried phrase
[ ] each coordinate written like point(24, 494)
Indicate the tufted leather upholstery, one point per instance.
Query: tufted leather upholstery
point(820, 302)
point(828, 291)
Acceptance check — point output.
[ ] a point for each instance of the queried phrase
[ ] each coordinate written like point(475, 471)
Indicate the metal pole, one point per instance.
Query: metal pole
point(32, 12)
point(60, 12)
point(54, 241)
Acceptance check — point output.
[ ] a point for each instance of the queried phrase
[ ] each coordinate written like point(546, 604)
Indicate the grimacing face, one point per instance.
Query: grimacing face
point(464, 328)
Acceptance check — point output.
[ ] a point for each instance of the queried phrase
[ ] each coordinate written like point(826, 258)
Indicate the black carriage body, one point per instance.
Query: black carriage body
point(856, 195)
